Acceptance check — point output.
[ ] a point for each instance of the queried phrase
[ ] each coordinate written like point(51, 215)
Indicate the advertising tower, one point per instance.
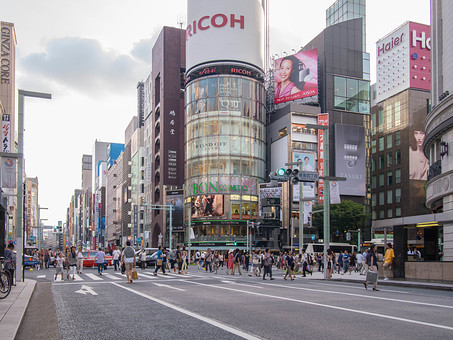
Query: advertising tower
point(225, 119)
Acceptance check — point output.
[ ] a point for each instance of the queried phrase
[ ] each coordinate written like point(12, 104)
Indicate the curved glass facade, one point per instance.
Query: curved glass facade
point(225, 146)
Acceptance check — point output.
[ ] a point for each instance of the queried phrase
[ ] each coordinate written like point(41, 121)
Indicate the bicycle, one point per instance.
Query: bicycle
point(5, 280)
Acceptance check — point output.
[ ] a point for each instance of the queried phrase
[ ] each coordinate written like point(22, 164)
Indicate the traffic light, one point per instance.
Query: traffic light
point(284, 175)
point(309, 220)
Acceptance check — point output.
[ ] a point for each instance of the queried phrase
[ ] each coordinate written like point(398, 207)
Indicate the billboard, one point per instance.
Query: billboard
point(323, 119)
point(350, 158)
point(224, 31)
point(407, 53)
point(418, 163)
point(176, 199)
point(308, 164)
point(296, 76)
point(207, 206)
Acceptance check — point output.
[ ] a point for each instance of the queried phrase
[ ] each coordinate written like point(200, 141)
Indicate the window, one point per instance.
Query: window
point(373, 123)
point(397, 114)
point(397, 138)
point(381, 180)
point(381, 120)
point(352, 94)
point(389, 213)
point(381, 214)
point(389, 159)
point(389, 196)
point(398, 176)
point(373, 164)
point(381, 198)
point(373, 200)
point(397, 157)
point(373, 182)
point(398, 212)
point(381, 162)
point(388, 117)
point(389, 177)
point(373, 146)
point(398, 195)
point(389, 141)
point(283, 132)
point(381, 144)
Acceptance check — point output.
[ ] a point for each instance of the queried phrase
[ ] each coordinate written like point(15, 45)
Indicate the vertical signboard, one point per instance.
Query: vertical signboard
point(135, 221)
point(6, 133)
point(8, 173)
point(175, 198)
point(323, 119)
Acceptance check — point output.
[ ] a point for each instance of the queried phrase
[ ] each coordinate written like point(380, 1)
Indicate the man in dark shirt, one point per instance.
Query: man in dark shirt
point(289, 266)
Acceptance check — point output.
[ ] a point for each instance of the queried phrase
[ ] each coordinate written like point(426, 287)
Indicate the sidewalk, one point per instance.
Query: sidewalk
point(13, 307)
point(357, 278)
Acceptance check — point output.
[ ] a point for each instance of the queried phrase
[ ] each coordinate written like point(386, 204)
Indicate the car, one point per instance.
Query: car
point(29, 261)
point(150, 260)
point(89, 258)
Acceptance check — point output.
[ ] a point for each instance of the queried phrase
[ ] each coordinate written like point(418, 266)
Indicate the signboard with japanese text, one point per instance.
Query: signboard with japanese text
point(323, 119)
point(6, 133)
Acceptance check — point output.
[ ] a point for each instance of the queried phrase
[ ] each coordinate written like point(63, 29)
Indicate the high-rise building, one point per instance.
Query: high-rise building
point(225, 120)
point(439, 126)
point(168, 67)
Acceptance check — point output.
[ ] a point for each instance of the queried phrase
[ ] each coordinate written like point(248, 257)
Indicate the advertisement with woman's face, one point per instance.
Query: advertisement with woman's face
point(418, 163)
point(296, 76)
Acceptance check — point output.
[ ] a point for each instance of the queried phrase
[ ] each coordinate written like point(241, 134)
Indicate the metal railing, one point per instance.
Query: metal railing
point(435, 170)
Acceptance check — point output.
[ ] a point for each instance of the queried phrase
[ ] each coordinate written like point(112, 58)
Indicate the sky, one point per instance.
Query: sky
point(90, 54)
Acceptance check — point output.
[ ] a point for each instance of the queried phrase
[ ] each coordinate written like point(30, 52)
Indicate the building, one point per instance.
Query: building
point(167, 124)
point(86, 199)
point(148, 145)
point(439, 127)
point(114, 185)
point(224, 120)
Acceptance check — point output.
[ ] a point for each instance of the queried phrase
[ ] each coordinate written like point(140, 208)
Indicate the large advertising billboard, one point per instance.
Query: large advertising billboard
point(308, 164)
point(175, 199)
point(207, 206)
point(350, 158)
point(296, 76)
point(226, 31)
point(418, 163)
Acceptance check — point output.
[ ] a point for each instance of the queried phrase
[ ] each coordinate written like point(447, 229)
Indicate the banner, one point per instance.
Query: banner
point(334, 193)
point(308, 208)
point(9, 173)
point(6, 133)
point(323, 119)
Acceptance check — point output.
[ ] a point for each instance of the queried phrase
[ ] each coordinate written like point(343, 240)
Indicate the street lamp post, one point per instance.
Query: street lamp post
point(20, 174)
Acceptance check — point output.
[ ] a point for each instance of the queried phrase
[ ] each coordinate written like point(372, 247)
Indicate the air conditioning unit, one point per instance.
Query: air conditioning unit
point(129, 188)
point(129, 225)
point(129, 213)
point(129, 175)
point(129, 163)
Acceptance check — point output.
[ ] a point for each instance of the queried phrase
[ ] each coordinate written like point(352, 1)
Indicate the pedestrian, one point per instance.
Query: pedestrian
point(320, 260)
point(100, 260)
point(340, 261)
point(346, 261)
point(160, 261)
point(255, 264)
point(59, 263)
point(365, 262)
point(79, 261)
point(388, 260)
point(359, 262)
point(221, 260)
point(230, 263)
point(197, 259)
point(289, 265)
point(202, 264)
point(208, 257)
point(305, 263)
point(116, 258)
point(66, 262)
point(72, 262)
point(267, 265)
point(352, 262)
point(143, 259)
point(10, 261)
point(185, 257)
point(246, 261)
point(237, 261)
point(129, 260)
point(372, 267)
point(330, 262)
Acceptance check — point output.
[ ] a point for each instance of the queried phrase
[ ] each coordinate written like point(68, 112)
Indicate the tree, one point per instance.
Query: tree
point(347, 215)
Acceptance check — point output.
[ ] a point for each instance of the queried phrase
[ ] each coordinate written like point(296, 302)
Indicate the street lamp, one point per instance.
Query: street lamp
point(20, 174)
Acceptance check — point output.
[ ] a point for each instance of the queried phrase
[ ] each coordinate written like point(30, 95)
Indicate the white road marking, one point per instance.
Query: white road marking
point(372, 314)
point(86, 290)
point(77, 278)
point(110, 276)
point(167, 286)
point(210, 321)
point(241, 284)
point(41, 277)
point(94, 277)
point(361, 284)
point(358, 295)
point(146, 276)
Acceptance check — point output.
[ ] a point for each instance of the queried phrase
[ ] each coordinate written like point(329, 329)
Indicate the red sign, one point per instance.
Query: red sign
point(323, 119)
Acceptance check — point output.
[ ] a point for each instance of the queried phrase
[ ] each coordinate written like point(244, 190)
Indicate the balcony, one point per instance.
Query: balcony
point(435, 170)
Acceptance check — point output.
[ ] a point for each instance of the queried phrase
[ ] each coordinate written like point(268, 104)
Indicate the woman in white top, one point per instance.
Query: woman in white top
point(79, 260)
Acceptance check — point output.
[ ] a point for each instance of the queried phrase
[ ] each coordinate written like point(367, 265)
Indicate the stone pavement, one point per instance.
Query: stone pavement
point(13, 307)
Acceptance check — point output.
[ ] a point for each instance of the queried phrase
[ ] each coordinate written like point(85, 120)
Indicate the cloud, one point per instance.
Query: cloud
point(83, 65)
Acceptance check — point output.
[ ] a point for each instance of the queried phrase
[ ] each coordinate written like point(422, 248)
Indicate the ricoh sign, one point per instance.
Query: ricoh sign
point(403, 60)
point(228, 31)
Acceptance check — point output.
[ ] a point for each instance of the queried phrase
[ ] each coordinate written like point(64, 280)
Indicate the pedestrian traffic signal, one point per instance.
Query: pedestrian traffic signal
point(284, 175)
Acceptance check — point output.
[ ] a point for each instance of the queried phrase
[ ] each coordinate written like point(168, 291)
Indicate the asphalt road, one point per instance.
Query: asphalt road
point(204, 306)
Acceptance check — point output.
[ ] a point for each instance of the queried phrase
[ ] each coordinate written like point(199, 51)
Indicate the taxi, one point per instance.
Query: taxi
point(89, 258)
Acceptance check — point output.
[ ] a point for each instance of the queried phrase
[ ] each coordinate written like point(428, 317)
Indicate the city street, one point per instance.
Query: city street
point(204, 305)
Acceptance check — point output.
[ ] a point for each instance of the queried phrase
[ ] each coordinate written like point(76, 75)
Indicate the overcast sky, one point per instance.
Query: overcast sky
point(90, 54)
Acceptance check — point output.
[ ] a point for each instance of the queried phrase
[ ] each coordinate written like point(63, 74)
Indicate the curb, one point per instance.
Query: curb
point(11, 321)
point(399, 284)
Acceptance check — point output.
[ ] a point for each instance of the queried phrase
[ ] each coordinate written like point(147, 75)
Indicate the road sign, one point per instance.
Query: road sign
point(313, 236)
point(308, 176)
point(32, 238)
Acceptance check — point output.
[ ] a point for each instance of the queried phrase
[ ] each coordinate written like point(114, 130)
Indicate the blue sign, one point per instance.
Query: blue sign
point(32, 238)
point(308, 176)
point(313, 236)
point(139, 240)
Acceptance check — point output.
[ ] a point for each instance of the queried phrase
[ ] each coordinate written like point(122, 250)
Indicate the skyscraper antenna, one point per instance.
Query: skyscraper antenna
point(180, 21)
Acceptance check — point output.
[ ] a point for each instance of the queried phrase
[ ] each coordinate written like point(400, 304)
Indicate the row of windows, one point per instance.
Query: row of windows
point(225, 86)
point(384, 179)
point(225, 165)
point(352, 94)
point(386, 197)
point(381, 213)
point(386, 160)
point(385, 142)
point(223, 106)
point(233, 126)
point(225, 145)
point(390, 116)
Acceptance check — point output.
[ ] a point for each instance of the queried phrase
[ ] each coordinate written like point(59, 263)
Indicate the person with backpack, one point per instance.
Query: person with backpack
point(237, 261)
point(129, 260)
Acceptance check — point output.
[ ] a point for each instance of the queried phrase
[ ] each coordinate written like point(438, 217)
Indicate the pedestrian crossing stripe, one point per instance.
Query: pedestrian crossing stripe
point(110, 276)
point(94, 277)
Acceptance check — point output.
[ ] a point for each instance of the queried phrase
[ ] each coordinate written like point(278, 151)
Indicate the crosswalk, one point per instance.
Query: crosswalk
point(114, 276)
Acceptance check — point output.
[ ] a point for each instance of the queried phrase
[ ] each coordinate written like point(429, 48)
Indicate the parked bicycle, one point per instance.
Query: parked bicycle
point(5, 280)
